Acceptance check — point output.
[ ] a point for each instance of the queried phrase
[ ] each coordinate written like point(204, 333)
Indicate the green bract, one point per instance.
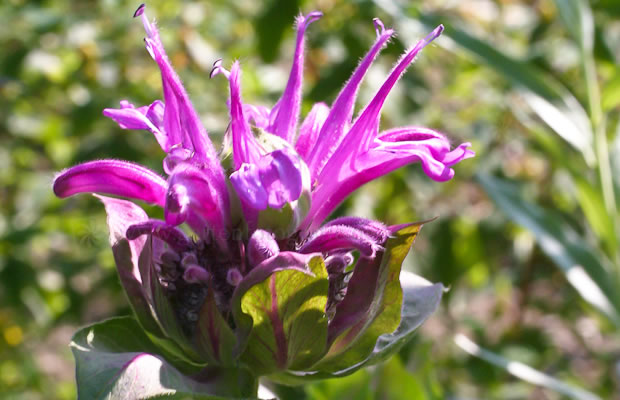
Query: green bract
point(279, 328)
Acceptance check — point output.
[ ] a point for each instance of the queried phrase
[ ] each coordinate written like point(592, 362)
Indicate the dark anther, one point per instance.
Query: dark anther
point(139, 10)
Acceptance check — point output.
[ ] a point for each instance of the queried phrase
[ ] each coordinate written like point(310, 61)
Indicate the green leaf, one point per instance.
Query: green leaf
point(287, 309)
point(614, 155)
point(374, 302)
point(611, 93)
point(583, 268)
point(420, 300)
point(214, 338)
point(391, 378)
point(523, 371)
point(593, 207)
point(116, 360)
point(577, 17)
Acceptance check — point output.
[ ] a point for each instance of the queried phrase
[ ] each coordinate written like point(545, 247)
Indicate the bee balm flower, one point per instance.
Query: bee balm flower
point(264, 287)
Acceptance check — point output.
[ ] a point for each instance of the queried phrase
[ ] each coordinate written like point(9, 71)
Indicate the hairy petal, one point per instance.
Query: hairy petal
point(310, 128)
point(365, 129)
point(180, 120)
point(366, 126)
point(115, 177)
point(245, 146)
point(247, 184)
point(261, 246)
point(336, 123)
point(127, 254)
point(257, 115)
point(150, 118)
point(354, 155)
point(275, 180)
point(173, 236)
point(432, 151)
point(281, 176)
point(122, 214)
point(192, 194)
point(284, 115)
point(375, 229)
point(340, 237)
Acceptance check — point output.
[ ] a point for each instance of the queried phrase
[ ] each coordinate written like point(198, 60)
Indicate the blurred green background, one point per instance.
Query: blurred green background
point(527, 234)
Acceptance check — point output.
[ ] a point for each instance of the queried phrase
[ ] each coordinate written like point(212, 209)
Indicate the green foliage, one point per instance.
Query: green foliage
point(116, 360)
point(289, 325)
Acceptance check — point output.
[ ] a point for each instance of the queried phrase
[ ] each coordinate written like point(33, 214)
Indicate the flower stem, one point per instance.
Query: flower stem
point(601, 147)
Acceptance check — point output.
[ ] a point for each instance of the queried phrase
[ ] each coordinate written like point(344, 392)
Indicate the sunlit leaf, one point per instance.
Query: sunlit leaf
point(285, 298)
point(611, 93)
point(369, 311)
point(593, 207)
point(420, 300)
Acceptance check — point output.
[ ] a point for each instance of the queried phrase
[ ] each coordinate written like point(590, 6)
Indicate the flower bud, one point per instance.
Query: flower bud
point(261, 246)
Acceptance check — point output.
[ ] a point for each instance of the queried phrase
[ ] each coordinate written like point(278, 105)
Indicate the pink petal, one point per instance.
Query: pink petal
point(148, 117)
point(245, 147)
point(310, 128)
point(118, 178)
point(284, 115)
point(335, 126)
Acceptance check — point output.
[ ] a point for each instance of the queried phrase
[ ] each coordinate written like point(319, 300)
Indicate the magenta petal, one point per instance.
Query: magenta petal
point(409, 134)
point(175, 157)
point(340, 237)
point(192, 192)
point(261, 246)
point(364, 130)
point(180, 120)
point(274, 181)
point(432, 151)
point(173, 236)
point(148, 117)
point(257, 115)
point(281, 176)
point(245, 147)
point(284, 115)
point(335, 126)
point(375, 229)
point(119, 178)
point(127, 255)
point(247, 184)
point(434, 155)
point(310, 128)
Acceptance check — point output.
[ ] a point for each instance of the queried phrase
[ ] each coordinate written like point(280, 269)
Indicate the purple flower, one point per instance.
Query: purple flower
point(260, 247)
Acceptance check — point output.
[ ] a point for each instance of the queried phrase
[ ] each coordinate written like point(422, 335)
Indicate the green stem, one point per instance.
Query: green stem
point(601, 146)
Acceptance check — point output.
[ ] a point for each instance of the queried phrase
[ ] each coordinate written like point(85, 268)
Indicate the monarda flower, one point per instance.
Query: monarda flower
point(263, 287)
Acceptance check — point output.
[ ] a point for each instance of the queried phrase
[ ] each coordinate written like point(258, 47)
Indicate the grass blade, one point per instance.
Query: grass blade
point(523, 371)
point(583, 269)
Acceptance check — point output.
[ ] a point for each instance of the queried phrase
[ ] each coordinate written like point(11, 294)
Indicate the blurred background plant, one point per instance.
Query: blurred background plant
point(527, 237)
